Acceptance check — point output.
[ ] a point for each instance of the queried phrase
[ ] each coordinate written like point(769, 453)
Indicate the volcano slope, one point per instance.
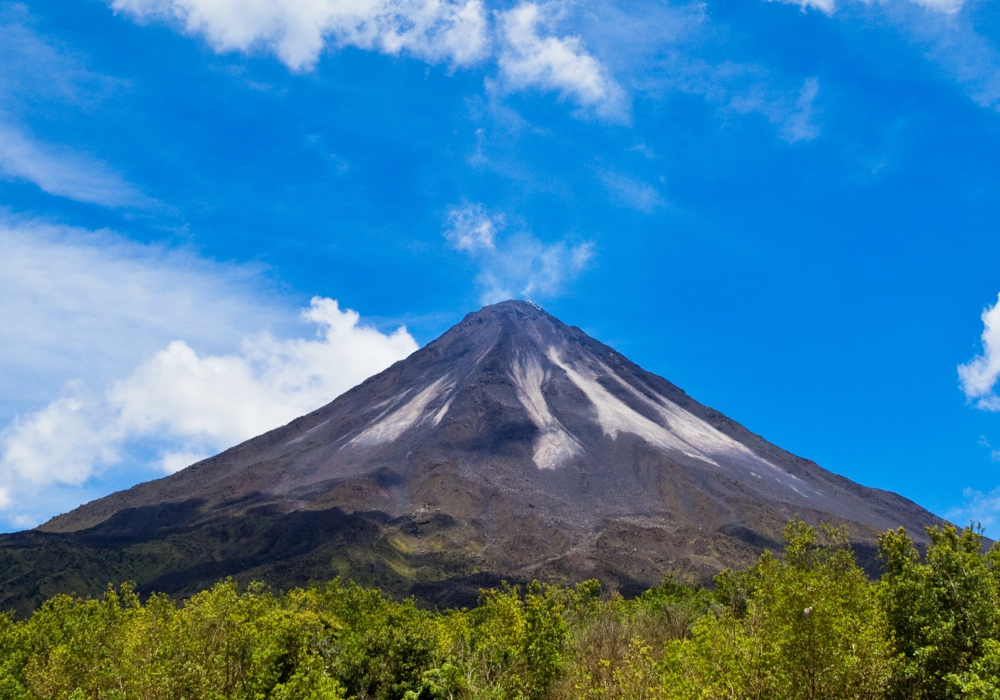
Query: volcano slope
point(512, 447)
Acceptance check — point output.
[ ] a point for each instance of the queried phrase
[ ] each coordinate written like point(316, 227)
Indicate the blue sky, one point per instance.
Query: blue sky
point(216, 215)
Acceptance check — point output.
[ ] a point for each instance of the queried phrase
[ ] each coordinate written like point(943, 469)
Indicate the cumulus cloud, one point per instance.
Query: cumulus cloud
point(459, 32)
point(224, 399)
point(533, 57)
point(122, 360)
point(978, 377)
point(189, 405)
point(297, 32)
point(520, 265)
point(57, 444)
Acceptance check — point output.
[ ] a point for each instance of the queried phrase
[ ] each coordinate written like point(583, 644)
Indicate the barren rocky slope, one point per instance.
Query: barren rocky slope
point(512, 447)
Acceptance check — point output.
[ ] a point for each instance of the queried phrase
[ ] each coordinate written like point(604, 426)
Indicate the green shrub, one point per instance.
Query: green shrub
point(941, 612)
point(808, 627)
point(805, 625)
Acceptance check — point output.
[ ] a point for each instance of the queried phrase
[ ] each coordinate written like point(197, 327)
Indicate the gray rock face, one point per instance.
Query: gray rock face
point(512, 446)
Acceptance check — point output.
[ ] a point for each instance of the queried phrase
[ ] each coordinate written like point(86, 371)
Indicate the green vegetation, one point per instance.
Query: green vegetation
point(809, 624)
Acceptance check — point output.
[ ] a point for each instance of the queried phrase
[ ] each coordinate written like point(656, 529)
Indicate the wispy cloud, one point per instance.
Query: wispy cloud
point(37, 70)
point(519, 265)
point(947, 7)
point(471, 229)
point(681, 66)
point(825, 6)
point(629, 191)
point(35, 74)
point(656, 50)
point(64, 172)
point(951, 40)
point(532, 56)
point(994, 452)
point(794, 116)
point(978, 377)
point(799, 124)
point(82, 305)
point(944, 30)
point(828, 7)
point(979, 507)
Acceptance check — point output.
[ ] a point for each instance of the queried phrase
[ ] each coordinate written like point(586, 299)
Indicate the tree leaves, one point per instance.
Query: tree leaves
point(801, 626)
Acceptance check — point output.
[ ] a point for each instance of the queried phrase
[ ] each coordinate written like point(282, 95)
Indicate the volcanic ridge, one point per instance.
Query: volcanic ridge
point(512, 447)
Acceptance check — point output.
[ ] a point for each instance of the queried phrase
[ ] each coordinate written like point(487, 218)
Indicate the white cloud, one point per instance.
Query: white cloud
point(794, 119)
point(224, 399)
point(520, 265)
point(119, 360)
point(979, 507)
point(455, 31)
point(953, 42)
point(57, 444)
point(531, 57)
point(799, 126)
point(173, 462)
point(297, 31)
point(82, 305)
point(948, 7)
point(37, 73)
point(189, 405)
point(945, 34)
point(196, 405)
point(827, 7)
point(735, 88)
point(978, 377)
point(37, 69)
point(994, 453)
point(528, 53)
point(470, 228)
point(631, 192)
point(63, 172)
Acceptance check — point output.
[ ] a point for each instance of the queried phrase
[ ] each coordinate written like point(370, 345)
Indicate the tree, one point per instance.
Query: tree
point(941, 612)
point(805, 627)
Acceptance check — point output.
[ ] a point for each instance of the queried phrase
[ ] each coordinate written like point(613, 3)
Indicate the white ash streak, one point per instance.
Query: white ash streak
point(554, 445)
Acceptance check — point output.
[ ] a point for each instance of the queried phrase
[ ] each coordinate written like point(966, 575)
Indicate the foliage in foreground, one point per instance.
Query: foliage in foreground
point(807, 625)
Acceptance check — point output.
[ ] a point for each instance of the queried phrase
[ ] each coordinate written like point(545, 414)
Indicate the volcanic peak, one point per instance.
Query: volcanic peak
point(513, 446)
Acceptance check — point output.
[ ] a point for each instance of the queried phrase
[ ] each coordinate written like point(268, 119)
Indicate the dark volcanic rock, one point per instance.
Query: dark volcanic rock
point(511, 447)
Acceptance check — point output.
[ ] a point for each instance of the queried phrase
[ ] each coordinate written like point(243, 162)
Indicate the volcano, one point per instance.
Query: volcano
point(513, 447)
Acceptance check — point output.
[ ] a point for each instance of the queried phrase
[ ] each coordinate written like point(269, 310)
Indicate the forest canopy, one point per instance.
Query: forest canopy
point(806, 624)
